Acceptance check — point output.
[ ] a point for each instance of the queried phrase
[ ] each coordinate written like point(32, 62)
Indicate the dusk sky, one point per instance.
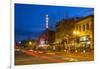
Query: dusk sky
point(30, 18)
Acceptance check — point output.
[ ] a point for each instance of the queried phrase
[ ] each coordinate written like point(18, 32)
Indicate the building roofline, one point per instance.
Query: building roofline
point(85, 18)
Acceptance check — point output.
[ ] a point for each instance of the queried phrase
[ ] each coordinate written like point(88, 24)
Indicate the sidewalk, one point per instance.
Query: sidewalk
point(89, 55)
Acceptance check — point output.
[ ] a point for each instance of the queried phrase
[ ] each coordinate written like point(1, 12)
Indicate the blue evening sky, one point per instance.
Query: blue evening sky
point(30, 18)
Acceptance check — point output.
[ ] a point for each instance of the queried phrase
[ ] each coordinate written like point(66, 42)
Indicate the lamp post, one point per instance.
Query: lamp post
point(30, 43)
point(76, 33)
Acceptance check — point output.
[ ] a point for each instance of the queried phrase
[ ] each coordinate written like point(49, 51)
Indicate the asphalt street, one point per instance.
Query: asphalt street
point(29, 57)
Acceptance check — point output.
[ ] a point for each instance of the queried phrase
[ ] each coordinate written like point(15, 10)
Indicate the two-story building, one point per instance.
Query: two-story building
point(84, 31)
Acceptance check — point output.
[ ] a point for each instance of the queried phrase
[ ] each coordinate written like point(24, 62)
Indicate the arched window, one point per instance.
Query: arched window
point(87, 26)
point(83, 27)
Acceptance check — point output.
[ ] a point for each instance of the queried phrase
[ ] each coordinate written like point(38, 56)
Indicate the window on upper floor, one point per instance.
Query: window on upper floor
point(76, 27)
point(80, 28)
point(83, 27)
point(87, 26)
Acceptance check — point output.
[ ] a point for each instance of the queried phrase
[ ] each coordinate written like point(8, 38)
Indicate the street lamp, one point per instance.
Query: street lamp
point(19, 42)
point(75, 33)
point(30, 43)
point(89, 42)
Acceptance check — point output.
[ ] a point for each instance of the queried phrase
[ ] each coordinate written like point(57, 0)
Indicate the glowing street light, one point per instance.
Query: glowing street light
point(19, 42)
point(30, 43)
point(89, 42)
point(76, 32)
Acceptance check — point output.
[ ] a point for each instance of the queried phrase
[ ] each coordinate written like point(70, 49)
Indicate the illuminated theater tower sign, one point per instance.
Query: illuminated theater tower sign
point(47, 28)
point(47, 19)
point(50, 34)
point(43, 39)
point(46, 37)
